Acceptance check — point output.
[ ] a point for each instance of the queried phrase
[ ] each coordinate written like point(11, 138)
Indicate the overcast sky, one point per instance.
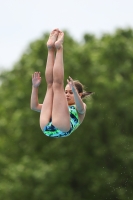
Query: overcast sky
point(23, 21)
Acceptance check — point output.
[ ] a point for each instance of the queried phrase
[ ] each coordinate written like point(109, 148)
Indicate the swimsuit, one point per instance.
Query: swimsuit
point(52, 131)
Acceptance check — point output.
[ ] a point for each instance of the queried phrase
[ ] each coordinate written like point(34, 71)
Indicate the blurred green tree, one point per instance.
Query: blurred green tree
point(95, 162)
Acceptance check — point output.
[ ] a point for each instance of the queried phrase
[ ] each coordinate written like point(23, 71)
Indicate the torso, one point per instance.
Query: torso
point(81, 116)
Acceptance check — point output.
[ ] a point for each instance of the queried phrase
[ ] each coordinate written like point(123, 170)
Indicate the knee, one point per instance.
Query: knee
point(57, 85)
point(49, 84)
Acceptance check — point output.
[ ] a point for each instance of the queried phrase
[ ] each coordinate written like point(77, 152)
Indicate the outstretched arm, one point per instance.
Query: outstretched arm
point(80, 105)
point(36, 80)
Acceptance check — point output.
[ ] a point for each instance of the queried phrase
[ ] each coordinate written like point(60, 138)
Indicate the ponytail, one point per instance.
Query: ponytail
point(86, 94)
point(80, 87)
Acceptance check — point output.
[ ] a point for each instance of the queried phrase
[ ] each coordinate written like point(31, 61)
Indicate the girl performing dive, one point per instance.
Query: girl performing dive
point(62, 111)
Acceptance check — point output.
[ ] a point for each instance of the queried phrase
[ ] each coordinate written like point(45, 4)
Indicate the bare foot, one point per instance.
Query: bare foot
point(59, 42)
point(52, 38)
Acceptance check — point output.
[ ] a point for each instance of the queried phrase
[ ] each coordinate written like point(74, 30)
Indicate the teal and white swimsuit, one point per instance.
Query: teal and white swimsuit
point(52, 131)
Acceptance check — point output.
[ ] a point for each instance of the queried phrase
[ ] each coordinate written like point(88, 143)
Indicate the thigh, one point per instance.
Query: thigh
point(46, 111)
point(60, 111)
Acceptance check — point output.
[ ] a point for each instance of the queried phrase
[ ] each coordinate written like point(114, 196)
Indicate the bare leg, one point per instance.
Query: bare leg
point(46, 111)
point(60, 112)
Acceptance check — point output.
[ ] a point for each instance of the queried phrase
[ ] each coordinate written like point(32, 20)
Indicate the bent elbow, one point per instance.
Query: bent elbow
point(32, 107)
point(36, 108)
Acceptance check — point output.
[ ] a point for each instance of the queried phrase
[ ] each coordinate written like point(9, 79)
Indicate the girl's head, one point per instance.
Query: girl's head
point(80, 88)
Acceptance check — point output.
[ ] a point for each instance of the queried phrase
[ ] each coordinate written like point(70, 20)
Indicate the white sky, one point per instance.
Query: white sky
point(23, 21)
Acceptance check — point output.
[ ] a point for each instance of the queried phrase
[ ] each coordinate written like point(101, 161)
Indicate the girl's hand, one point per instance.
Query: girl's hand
point(71, 84)
point(36, 79)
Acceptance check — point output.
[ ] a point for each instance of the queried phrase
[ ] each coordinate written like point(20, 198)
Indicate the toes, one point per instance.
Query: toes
point(52, 38)
point(60, 39)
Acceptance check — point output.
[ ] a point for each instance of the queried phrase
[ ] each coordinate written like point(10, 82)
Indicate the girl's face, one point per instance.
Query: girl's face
point(69, 95)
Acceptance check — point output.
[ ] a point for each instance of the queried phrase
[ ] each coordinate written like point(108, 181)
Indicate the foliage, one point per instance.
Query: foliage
point(96, 161)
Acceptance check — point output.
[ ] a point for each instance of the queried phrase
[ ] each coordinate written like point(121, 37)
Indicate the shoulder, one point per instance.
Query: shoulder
point(84, 106)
